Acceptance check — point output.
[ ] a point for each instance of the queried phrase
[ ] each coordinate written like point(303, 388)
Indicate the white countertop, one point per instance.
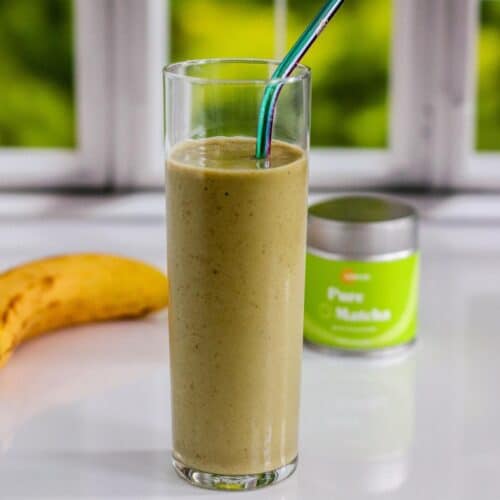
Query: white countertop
point(85, 413)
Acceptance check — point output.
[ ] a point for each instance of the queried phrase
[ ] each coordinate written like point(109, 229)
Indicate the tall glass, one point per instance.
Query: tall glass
point(236, 250)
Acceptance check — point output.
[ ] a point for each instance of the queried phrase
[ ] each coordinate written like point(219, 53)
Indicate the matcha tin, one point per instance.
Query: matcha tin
point(362, 275)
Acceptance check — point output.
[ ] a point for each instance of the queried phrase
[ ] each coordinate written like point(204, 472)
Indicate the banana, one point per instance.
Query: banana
point(57, 292)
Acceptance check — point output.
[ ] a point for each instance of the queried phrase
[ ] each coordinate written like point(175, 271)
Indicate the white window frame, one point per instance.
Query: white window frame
point(121, 46)
point(434, 96)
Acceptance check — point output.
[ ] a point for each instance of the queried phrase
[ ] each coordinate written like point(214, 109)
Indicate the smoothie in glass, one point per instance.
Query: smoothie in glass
point(236, 253)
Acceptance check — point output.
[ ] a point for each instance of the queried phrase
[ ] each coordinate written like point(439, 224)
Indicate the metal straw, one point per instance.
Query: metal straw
point(285, 68)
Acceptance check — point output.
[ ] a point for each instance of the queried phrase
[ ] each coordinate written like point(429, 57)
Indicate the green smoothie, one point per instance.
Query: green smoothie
point(236, 254)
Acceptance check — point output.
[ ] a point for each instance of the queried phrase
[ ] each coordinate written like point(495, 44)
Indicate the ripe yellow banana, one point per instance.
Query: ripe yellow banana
point(56, 292)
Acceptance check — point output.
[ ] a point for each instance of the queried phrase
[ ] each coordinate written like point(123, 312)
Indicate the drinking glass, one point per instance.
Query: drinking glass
point(236, 235)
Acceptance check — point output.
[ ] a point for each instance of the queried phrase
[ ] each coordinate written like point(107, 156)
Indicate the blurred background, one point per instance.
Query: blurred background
point(351, 65)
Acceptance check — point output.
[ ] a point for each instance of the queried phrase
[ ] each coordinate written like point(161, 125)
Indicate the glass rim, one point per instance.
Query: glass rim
point(170, 71)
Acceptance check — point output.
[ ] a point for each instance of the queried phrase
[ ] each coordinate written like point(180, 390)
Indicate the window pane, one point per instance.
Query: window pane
point(36, 73)
point(350, 72)
point(221, 28)
point(488, 109)
point(350, 61)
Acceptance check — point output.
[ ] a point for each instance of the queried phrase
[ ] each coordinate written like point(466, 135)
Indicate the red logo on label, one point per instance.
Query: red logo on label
point(347, 276)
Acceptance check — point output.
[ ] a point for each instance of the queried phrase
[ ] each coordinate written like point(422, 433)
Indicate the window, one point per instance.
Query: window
point(350, 108)
point(350, 83)
point(396, 99)
point(482, 166)
point(37, 106)
point(350, 105)
point(197, 25)
point(53, 93)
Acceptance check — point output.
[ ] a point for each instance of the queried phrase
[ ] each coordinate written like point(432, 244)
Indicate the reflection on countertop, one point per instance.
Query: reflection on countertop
point(78, 364)
point(368, 428)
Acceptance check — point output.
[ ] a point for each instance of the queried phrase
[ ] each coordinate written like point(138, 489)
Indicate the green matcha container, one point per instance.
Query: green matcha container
point(362, 275)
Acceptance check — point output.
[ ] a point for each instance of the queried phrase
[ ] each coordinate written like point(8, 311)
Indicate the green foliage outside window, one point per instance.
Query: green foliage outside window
point(350, 65)
point(350, 61)
point(488, 110)
point(36, 74)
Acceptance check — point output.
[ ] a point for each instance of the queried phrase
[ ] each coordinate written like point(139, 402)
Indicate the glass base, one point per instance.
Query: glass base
point(213, 481)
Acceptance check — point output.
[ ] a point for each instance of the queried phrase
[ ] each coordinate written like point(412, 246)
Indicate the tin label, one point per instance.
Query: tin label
point(361, 305)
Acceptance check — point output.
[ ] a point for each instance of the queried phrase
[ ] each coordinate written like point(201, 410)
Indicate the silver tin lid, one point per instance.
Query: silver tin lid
point(362, 226)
